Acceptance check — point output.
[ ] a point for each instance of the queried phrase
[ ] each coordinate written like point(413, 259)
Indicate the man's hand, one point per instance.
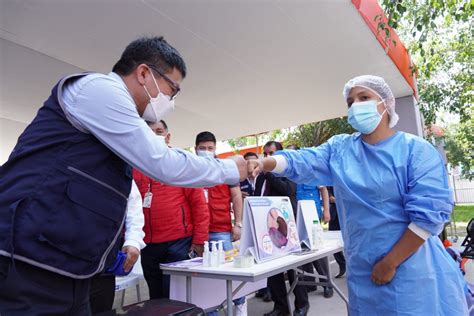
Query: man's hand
point(245, 194)
point(332, 199)
point(236, 233)
point(132, 257)
point(383, 272)
point(199, 249)
point(241, 166)
point(254, 167)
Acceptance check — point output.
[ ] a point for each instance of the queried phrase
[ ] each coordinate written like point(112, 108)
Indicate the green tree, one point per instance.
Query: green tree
point(261, 139)
point(236, 143)
point(458, 145)
point(314, 134)
point(439, 37)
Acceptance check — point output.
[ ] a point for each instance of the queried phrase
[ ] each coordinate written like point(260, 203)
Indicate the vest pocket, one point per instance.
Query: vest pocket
point(99, 203)
point(86, 222)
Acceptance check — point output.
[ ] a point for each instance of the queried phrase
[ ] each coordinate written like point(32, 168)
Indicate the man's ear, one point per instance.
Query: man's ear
point(168, 138)
point(141, 72)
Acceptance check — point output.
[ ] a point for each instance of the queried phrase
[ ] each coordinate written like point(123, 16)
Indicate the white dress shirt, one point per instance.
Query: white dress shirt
point(102, 105)
point(134, 220)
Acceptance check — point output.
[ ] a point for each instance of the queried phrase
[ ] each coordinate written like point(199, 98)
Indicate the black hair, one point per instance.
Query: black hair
point(151, 51)
point(250, 154)
point(161, 121)
point(164, 124)
point(278, 145)
point(205, 137)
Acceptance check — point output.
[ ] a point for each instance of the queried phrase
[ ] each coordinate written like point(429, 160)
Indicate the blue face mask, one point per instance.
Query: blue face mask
point(364, 116)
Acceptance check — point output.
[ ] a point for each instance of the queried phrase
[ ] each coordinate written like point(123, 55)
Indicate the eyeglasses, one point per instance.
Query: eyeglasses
point(174, 86)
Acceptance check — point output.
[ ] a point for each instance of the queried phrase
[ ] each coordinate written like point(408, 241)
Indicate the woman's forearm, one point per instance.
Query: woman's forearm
point(404, 248)
point(269, 164)
point(385, 270)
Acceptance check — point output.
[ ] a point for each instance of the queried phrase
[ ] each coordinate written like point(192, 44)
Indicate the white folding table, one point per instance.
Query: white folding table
point(261, 271)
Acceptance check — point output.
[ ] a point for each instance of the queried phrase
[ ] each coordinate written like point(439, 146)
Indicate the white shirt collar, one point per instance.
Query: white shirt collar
point(117, 77)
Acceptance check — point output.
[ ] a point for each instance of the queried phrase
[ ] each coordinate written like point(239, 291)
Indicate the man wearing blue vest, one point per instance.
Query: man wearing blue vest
point(64, 188)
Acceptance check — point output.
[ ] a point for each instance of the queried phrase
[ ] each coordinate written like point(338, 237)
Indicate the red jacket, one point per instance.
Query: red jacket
point(219, 208)
point(174, 213)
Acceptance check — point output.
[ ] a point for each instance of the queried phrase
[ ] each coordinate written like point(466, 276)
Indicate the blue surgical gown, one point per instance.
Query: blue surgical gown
point(380, 190)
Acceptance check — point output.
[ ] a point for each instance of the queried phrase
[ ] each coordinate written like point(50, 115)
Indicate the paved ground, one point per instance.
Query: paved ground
point(319, 305)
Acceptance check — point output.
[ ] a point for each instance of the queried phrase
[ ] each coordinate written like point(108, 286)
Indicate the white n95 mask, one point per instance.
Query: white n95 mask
point(205, 153)
point(158, 107)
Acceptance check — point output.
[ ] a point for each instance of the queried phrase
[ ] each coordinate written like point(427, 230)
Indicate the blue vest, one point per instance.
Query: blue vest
point(63, 195)
point(309, 192)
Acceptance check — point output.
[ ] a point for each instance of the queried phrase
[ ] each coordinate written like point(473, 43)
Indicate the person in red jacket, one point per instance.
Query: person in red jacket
point(176, 224)
point(222, 199)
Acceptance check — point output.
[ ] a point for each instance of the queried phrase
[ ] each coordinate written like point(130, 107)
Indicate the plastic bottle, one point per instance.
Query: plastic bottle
point(206, 256)
point(320, 237)
point(317, 235)
point(214, 254)
point(221, 252)
point(206, 195)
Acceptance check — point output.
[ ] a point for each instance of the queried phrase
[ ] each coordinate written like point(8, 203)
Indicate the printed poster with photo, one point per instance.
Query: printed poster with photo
point(269, 228)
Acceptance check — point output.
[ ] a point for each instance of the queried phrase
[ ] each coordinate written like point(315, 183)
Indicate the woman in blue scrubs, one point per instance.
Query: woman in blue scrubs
point(393, 200)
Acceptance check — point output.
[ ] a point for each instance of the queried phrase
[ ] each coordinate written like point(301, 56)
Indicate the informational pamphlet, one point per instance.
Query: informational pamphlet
point(269, 228)
point(185, 264)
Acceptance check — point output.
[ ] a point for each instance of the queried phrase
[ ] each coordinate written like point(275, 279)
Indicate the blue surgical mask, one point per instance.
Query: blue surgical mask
point(364, 116)
point(205, 153)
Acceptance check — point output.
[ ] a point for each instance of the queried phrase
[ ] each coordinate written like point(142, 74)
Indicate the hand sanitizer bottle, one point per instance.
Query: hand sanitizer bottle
point(320, 237)
point(214, 254)
point(221, 252)
point(206, 256)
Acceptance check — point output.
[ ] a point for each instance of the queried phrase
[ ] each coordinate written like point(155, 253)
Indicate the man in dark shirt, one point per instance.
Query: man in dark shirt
point(268, 184)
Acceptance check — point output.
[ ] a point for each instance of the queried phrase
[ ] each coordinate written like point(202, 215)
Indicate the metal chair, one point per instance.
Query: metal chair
point(468, 242)
point(133, 279)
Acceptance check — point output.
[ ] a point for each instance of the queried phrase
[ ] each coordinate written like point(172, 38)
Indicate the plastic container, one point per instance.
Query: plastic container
point(206, 256)
point(317, 235)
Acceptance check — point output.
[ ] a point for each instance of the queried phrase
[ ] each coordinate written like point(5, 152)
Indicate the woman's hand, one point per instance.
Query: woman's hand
point(383, 272)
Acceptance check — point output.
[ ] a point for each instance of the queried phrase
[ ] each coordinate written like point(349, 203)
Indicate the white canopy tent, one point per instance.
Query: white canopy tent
point(253, 66)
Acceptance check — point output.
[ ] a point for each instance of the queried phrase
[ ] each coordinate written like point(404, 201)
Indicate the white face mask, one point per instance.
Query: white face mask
point(158, 107)
point(205, 153)
point(161, 138)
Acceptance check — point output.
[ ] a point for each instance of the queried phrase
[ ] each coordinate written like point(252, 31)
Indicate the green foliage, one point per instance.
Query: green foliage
point(306, 135)
point(262, 138)
point(459, 142)
point(239, 142)
point(315, 134)
point(439, 37)
point(463, 213)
